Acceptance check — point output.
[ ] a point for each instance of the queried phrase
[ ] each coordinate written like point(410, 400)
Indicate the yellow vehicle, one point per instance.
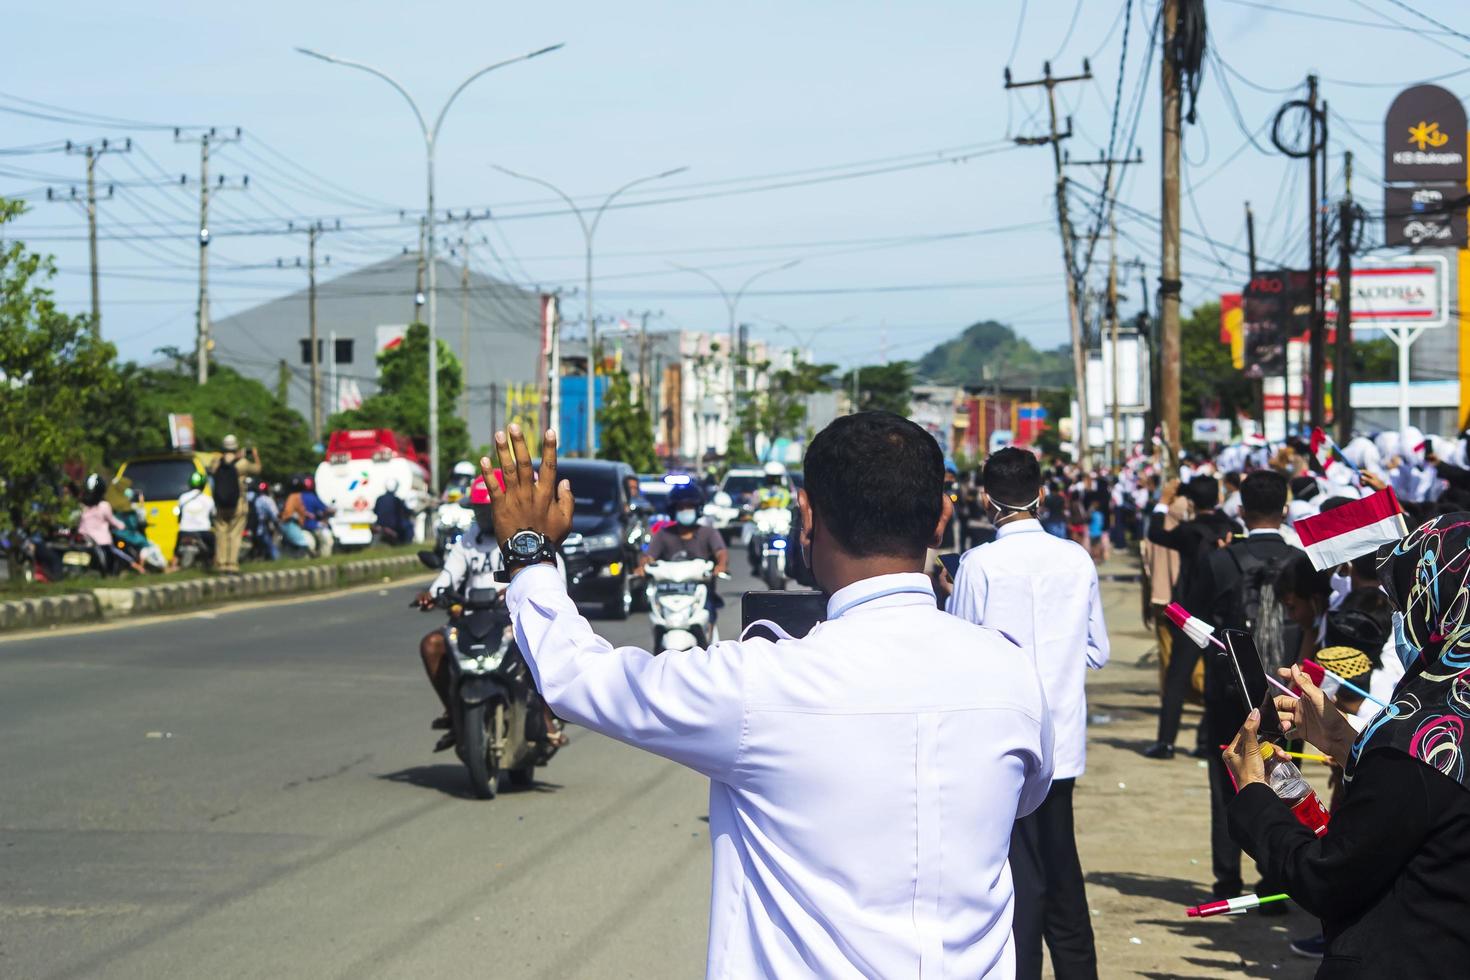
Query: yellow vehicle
point(162, 478)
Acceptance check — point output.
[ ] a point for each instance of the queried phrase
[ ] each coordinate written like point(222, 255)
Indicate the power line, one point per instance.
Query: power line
point(1425, 17)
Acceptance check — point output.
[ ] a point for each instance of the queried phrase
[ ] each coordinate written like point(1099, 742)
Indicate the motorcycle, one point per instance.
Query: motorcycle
point(191, 549)
point(678, 595)
point(769, 545)
point(454, 520)
point(494, 711)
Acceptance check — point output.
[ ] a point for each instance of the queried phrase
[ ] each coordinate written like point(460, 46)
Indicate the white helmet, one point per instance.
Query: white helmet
point(465, 468)
point(390, 485)
point(774, 468)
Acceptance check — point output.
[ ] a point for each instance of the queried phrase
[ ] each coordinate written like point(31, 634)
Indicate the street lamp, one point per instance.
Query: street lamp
point(589, 229)
point(732, 301)
point(431, 136)
point(806, 339)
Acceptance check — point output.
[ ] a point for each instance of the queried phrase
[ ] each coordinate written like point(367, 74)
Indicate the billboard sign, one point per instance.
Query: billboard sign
point(181, 432)
point(1424, 138)
point(1211, 430)
point(1276, 305)
point(1424, 215)
point(1409, 292)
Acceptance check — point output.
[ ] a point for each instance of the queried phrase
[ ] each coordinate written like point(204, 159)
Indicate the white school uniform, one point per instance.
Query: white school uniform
point(863, 779)
point(1042, 591)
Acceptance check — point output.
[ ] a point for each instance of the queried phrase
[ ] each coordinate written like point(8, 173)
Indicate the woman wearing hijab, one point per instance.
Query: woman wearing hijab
point(1390, 879)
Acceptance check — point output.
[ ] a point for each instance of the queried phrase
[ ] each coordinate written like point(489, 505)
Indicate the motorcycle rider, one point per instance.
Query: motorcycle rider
point(463, 475)
point(471, 563)
point(687, 539)
point(773, 494)
point(196, 515)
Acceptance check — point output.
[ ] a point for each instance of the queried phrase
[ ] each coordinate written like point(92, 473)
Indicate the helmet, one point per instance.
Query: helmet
point(390, 485)
point(262, 487)
point(774, 468)
point(685, 495)
point(480, 493)
point(196, 480)
point(464, 468)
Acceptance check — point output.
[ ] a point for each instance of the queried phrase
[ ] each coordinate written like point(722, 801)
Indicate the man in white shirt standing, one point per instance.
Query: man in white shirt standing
point(864, 779)
point(1042, 591)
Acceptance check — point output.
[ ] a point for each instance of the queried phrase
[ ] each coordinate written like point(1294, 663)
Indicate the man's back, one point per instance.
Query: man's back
point(1042, 591)
point(864, 779)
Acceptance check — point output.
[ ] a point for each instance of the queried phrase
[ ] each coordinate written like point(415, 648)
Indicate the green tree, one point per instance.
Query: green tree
point(882, 387)
point(401, 402)
point(229, 403)
point(1209, 384)
point(56, 376)
point(777, 408)
point(1376, 359)
point(626, 428)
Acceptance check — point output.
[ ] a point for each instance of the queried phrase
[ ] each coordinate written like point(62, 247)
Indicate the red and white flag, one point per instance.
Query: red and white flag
point(1321, 447)
point(1352, 530)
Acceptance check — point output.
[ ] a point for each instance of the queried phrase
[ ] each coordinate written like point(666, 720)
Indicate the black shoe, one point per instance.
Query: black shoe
point(1227, 889)
point(441, 723)
point(446, 741)
point(1200, 752)
point(1159, 750)
point(1313, 948)
point(1274, 910)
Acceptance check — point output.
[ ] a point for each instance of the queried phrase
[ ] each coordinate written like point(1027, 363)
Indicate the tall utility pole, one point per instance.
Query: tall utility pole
point(465, 243)
point(1169, 284)
point(418, 283)
point(1110, 166)
point(1342, 371)
point(314, 231)
point(1064, 225)
point(1250, 239)
point(1317, 335)
point(92, 151)
point(206, 138)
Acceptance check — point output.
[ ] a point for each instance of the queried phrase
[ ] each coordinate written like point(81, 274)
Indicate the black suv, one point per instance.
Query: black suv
point(607, 538)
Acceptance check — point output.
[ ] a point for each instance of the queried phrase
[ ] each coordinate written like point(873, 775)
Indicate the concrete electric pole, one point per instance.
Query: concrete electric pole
point(1169, 282)
point(206, 138)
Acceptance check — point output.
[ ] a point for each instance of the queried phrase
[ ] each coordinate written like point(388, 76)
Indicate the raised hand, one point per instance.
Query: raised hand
point(527, 502)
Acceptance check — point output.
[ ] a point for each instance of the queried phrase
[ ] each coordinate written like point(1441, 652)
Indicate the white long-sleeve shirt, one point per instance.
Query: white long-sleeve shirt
point(1041, 591)
point(863, 779)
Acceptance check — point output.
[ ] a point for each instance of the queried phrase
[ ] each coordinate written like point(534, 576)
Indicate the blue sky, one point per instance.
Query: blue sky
point(900, 260)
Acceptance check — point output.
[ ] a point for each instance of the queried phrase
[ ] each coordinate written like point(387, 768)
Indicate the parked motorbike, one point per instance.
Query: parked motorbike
point(769, 545)
point(678, 597)
point(192, 550)
point(496, 715)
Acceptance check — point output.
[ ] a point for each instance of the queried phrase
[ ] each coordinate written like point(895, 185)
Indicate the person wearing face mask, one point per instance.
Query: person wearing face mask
point(1388, 877)
point(1042, 592)
point(687, 539)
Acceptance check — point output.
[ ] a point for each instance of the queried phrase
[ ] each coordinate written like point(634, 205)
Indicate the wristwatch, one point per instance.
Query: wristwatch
point(527, 547)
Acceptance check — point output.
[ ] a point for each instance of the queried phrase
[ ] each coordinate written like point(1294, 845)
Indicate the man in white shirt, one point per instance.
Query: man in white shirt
point(864, 779)
point(1042, 591)
point(196, 512)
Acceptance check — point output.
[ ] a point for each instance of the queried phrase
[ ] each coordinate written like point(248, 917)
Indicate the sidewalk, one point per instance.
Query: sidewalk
point(1143, 830)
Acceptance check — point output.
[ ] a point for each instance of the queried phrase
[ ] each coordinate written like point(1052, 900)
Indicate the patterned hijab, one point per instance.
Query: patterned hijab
point(1427, 577)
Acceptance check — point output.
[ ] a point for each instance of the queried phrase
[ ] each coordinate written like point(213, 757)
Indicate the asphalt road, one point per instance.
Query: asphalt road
point(251, 793)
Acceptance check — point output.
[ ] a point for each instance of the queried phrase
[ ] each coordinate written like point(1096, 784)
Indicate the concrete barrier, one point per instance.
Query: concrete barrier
point(110, 603)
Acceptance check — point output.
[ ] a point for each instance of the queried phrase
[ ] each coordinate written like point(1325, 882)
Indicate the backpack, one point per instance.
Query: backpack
point(226, 487)
point(1254, 607)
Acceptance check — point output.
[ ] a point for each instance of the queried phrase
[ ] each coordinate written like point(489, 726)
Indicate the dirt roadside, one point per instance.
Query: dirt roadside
point(1143, 832)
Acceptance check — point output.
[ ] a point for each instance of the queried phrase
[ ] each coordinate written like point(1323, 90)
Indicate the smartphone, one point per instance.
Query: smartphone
point(1250, 675)
point(794, 612)
point(951, 563)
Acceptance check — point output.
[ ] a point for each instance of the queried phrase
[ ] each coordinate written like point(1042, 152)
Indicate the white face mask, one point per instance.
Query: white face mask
point(686, 518)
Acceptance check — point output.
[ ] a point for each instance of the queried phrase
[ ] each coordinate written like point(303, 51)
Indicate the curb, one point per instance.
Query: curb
point(104, 604)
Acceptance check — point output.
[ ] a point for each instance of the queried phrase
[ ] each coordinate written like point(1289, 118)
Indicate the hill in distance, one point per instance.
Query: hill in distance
point(989, 352)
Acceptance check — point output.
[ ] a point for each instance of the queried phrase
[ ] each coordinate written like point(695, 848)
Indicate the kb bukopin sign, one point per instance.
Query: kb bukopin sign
point(1425, 137)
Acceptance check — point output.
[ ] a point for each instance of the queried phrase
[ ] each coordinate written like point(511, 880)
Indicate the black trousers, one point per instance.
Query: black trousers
point(1223, 719)
point(1051, 901)
point(1182, 660)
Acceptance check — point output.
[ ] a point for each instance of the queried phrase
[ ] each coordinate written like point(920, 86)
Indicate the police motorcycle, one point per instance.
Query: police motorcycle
point(678, 604)
point(770, 525)
point(454, 515)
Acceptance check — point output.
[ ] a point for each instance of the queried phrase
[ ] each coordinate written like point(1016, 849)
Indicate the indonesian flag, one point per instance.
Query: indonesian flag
point(1201, 632)
point(1352, 530)
point(1322, 448)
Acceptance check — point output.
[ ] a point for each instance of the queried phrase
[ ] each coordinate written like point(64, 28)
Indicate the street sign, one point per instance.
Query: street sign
point(1211, 430)
point(181, 432)
point(1412, 291)
point(1424, 137)
point(1424, 215)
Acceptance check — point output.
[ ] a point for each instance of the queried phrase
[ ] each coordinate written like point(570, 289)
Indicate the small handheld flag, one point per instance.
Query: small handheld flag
point(1323, 450)
point(1352, 530)
point(1201, 632)
point(1232, 906)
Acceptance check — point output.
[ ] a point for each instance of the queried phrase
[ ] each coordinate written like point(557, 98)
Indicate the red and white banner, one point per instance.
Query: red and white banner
point(1352, 530)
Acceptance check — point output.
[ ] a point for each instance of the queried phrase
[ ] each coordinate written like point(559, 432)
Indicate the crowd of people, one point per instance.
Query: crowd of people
point(226, 514)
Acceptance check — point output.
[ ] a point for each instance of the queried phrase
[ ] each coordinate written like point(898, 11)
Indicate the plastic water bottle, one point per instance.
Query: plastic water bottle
point(1287, 782)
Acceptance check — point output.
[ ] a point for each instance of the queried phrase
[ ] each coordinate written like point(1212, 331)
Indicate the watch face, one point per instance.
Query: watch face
point(524, 544)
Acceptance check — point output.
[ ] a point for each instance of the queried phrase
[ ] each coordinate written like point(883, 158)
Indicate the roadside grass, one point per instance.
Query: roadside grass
point(29, 590)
